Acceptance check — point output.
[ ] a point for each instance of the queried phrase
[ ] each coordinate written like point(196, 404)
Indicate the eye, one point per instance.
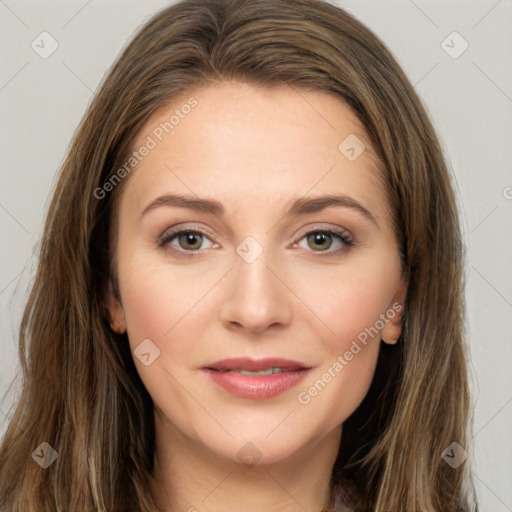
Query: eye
point(321, 240)
point(186, 240)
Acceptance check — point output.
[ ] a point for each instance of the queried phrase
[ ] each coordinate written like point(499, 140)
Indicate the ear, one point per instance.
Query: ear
point(392, 329)
point(115, 310)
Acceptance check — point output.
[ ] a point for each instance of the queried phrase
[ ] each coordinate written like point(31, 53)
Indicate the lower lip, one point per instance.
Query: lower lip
point(257, 387)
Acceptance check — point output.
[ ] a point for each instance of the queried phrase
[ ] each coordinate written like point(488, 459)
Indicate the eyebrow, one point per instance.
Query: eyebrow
point(299, 206)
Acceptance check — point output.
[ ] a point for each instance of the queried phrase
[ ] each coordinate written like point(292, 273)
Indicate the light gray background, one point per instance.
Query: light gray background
point(469, 99)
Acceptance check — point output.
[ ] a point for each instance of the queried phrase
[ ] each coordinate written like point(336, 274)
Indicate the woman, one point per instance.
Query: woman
point(305, 351)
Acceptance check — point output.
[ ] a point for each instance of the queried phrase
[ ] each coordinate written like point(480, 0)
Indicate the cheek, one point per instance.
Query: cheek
point(147, 304)
point(154, 299)
point(348, 300)
point(338, 386)
point(168, 307)
point(352, 302)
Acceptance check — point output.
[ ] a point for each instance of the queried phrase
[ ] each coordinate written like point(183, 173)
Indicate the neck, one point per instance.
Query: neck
point(190, 477)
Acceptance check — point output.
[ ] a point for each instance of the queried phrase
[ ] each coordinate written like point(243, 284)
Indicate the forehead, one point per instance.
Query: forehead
point(248, 144)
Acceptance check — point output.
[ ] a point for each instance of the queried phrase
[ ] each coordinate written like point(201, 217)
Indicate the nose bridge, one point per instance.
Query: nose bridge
point(258, 298)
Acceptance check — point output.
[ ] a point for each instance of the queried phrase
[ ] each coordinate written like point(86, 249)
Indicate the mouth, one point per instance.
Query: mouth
point(269, 371)
point(256, 378)
point(264, 366)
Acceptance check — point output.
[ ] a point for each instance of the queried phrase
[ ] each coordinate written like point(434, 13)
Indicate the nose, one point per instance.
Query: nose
point(258, 297)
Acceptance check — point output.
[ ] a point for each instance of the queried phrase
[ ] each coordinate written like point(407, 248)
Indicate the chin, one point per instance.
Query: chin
point(260, 446)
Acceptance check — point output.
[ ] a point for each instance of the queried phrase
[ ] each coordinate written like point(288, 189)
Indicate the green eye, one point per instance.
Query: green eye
point(322, 240)
point(188, 240)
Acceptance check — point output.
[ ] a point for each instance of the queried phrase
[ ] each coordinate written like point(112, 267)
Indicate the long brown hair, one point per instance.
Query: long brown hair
point(81, 392)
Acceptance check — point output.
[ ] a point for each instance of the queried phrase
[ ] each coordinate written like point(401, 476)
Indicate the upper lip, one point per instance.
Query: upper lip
point(254, 365)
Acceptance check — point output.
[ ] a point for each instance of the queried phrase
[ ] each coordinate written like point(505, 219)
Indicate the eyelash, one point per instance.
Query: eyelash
point(344, 236)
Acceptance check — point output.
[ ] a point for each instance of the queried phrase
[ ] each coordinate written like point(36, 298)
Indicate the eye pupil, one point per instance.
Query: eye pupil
point(190, 238)
point(320, 239)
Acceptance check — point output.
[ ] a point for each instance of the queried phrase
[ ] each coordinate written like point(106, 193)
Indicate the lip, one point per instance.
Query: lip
point(257, 387)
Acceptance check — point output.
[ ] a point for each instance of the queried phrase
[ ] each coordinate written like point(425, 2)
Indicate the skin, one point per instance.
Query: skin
point(254, 151)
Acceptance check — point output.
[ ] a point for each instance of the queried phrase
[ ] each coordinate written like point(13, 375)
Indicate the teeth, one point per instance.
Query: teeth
point(269, 371)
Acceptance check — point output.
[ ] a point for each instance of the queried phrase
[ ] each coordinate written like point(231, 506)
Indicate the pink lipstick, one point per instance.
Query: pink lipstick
point(256, 378)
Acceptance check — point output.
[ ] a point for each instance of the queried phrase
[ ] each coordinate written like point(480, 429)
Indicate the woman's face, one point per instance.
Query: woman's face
point(259, 275)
